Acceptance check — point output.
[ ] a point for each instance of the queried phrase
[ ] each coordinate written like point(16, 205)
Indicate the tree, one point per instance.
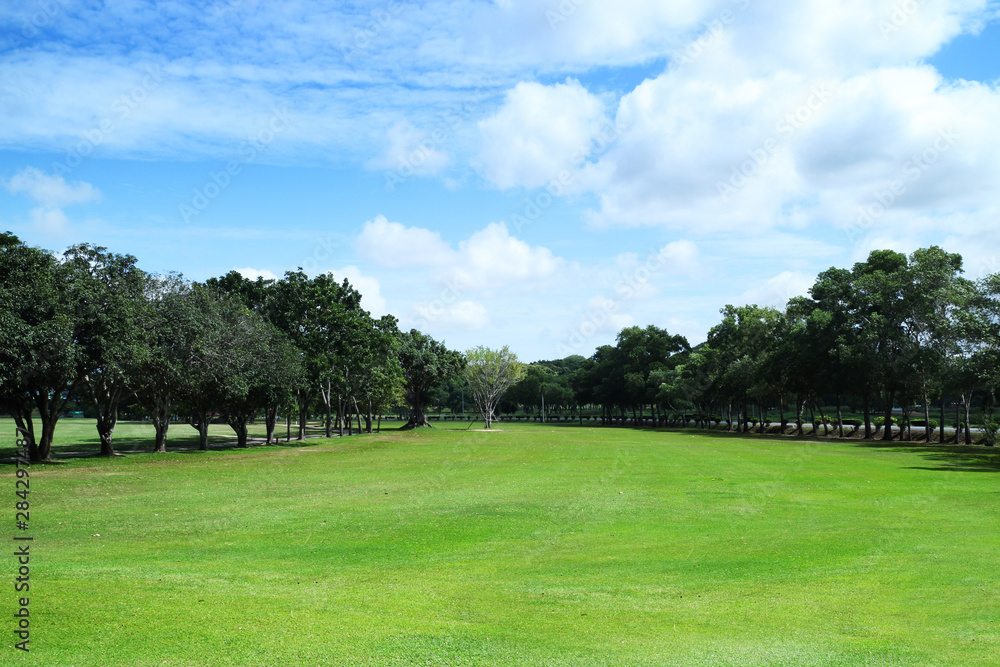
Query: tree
point(489, 374)
point(320, 316)
point(932, 297)
point(109, 297)
point(40, 357)
point(172, 332)
point(425, 363)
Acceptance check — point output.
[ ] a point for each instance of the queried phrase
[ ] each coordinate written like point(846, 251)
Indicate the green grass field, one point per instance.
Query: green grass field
point(540, 545)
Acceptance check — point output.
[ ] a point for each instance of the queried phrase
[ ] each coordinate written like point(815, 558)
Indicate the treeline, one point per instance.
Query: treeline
point(89, 326)
point(909, 333)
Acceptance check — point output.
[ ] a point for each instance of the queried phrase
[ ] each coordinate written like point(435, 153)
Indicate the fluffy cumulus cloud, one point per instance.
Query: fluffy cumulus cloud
point(394, 245)
point(492, 258)
point(775, 117)
point(538, 132)
point(369, 287)
point(489, 259)
point(50, 191)
point(779, 289)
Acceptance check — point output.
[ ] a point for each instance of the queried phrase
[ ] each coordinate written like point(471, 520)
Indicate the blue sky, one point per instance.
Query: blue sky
point(538, 174)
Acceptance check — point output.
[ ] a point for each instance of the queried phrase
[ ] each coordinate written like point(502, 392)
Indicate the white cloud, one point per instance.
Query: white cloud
point(779, 289)
point(409, 151)
point(50, 191)
point(48, 220)
point(538, 132)
point(436, 315)
point(491, 258)
point(393, 245)
point(369, 287)
point(254, 274)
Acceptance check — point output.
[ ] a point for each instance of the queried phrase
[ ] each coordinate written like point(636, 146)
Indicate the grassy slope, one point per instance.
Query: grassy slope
point(540, 545)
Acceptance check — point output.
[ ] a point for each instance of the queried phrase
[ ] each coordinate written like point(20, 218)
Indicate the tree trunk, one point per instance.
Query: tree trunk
point(968, 427)
point(106, 430)
point(238, 423)
point(887, 435)
point(781, 411)
point(160, 415)
point(199, 420)
point(328, 403)
point(941, 425)
point(958, 422)
point(25, 426)
point(799, 404)
point(868, 417)
point(270, 420)
point(840, 419)
point(927, 415)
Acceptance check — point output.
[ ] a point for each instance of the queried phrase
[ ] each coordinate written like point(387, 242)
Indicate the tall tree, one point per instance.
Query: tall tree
point(109, 296)
point(40, 357)
point(172, 331)
point(425, 363)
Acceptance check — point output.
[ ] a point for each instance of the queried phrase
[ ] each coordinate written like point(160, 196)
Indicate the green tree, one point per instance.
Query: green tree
point(426, 363)
point(489, 374)
point(40, 357)
point(111, 306)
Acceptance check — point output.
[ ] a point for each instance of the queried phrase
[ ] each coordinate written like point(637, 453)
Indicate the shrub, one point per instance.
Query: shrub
point(920, 423)
point(991, 431)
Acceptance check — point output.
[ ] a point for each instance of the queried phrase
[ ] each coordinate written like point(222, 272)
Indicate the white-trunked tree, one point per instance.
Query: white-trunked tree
point(489, 374)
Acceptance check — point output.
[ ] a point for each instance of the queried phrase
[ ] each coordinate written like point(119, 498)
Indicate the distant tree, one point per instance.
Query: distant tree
point(425, 363)
point(489, 374)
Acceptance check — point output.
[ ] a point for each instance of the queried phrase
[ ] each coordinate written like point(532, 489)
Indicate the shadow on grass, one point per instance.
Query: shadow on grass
point(947, 458)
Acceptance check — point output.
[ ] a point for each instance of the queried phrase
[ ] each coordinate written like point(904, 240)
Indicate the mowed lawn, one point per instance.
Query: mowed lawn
point(539, 545)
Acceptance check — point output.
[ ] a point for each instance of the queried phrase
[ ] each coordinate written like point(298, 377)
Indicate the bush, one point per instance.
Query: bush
point(880, 421)
point(920, 423)
point(991, 432)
